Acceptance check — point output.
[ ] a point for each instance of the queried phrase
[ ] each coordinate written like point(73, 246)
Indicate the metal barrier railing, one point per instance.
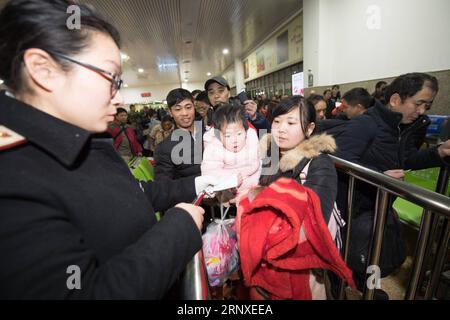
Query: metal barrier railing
point(194, 281)
point(435, 205)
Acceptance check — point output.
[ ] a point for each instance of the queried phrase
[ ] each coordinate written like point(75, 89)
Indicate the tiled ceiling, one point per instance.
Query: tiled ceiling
point(177, 39)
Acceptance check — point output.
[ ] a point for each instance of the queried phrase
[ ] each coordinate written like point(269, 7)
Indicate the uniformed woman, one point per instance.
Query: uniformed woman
point(73, 221)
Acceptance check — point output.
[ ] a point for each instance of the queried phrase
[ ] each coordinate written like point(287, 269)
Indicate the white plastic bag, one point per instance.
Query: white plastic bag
point(220, 250)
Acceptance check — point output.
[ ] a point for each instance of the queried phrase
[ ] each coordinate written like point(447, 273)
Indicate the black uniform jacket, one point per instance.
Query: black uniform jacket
point(68, 202)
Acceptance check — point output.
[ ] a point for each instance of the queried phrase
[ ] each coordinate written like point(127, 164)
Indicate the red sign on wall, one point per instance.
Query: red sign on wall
point(146, 94)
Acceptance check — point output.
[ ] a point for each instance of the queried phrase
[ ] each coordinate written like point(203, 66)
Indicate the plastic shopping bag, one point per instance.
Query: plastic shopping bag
point(220, 251)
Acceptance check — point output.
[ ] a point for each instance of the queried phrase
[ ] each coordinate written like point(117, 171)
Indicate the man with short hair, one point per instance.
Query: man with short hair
point(356, 101)
point(379, 91)
point(125, 139)
point(180, 154)
point(382, 139)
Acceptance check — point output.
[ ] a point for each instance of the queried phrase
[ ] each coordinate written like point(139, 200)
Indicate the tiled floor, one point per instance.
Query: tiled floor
point(395, 285)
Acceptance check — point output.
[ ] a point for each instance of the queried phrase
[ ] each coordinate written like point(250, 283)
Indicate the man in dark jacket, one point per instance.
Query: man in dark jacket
point(356, 102)
point(376, 140)
point(180, 154)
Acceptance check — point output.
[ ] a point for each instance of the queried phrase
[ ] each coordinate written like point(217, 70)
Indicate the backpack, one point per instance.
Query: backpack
point(336, 222)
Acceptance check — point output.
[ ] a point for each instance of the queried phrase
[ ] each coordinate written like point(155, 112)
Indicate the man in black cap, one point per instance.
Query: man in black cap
point(218, 91)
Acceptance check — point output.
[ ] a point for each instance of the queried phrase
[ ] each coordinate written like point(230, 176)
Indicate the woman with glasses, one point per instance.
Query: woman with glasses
point(73, 221)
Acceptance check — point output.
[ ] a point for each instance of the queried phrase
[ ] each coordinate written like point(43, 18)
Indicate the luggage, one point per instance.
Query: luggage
point(142, 169)
point(426, 178)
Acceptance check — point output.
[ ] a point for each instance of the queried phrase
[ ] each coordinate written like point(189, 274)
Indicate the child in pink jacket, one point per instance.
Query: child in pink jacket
point(232, 148)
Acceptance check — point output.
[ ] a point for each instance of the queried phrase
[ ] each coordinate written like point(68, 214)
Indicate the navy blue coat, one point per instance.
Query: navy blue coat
point(376, 140)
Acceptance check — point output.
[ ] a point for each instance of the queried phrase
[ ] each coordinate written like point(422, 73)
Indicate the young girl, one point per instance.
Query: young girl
point(233, 149)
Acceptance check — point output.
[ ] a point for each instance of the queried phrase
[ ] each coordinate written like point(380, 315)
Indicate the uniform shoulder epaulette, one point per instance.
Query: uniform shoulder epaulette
point(10, 139)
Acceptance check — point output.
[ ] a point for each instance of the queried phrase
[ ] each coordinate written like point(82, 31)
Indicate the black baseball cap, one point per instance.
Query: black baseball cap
point(219, 80)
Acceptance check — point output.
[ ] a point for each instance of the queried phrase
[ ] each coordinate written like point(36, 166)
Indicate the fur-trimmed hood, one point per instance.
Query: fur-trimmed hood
point(309, 148)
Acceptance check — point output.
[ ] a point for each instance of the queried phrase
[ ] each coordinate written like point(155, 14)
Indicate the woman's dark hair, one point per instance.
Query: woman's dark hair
point(380, 84)
point(166, 119)
point(26, 24)
point(315, 98)
point(229, 113)
point(262, 104)
point(306, 110)
point(338, 94)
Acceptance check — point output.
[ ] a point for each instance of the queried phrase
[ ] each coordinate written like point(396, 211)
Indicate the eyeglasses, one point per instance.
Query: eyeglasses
point(116, 81)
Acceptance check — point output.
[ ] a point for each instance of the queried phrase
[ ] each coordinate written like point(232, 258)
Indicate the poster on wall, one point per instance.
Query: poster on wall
point(298, 87)
point(246, 69)
point(260, 63)
point(283, 47)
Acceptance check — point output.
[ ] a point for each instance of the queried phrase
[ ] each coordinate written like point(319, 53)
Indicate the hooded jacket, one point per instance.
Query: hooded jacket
point(282, 237)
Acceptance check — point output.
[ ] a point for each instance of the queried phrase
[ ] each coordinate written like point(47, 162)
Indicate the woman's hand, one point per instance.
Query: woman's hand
point(196, 213)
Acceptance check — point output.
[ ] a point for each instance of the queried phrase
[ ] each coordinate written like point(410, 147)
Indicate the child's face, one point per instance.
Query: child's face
point(233, 136)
